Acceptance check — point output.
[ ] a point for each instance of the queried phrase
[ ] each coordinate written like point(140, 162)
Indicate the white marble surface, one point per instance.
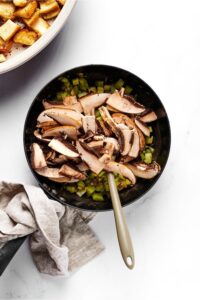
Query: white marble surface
point(159, 42)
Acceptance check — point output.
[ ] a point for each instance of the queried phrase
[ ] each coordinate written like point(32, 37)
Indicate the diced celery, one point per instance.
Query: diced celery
point(81, 193)
point(71, 188)
point(65, 81)
point(107, 88)
point(83, 84)
point(81, 185)
point(92, 89)
point(128, 182)
point(90, 190)
point(99, 83)
point(97, 197)
point(149, 140)
point(148, 158)
point(102, 173)
point(97, 113)
point(99, 188)
point(112, 90)
point(142, 155)
point(76, 90)
point(128, 89)
point(149, 149)
point(75, 81)
point(60, 95)
point(107, 189)
point(119, 84)
point(99, 118)
point(82, 94)
point(100, 89)
point(150, 129)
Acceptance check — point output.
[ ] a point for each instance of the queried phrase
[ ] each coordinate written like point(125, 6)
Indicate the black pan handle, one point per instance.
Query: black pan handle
point(8, 252)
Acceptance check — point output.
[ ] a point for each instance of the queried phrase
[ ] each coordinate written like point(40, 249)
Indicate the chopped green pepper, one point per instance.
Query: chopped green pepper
point(148, 158)
point(100, 89)
point(71, 188)
point(92, 89)
point(97, 197)
point(99, 83)
point(128, 89)
point(75, 81)
point(82, 94)
point(83, 84)
point(90, 190)
point(107, 88)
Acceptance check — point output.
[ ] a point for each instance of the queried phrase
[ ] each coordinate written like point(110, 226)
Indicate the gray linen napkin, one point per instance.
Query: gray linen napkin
point(61, 240)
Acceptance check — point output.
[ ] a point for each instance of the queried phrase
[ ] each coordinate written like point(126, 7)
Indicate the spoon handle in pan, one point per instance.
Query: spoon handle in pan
point(124, 238)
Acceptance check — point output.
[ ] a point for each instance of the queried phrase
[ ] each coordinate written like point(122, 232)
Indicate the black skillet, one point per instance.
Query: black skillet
point(161, 128)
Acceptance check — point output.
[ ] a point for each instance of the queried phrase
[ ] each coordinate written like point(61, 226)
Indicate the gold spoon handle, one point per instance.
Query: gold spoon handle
point(124, 238)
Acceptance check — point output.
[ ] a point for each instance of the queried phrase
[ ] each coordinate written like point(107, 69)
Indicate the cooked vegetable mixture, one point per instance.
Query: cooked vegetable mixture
point(89, 130)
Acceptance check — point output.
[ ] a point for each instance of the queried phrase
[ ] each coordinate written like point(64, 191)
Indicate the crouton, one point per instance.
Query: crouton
point(2, 58)
point(48, 6)
point(62, 2)
point(40, 26)
point(8, 29)
point(52, 14)
point(25, 37)
point(27, 11)
point(7, 10)
point(5, 47)
point(32, 20)
point(20, 3)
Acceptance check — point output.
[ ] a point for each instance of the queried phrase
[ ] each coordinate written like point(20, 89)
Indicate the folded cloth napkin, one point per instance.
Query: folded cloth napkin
point(61, 240)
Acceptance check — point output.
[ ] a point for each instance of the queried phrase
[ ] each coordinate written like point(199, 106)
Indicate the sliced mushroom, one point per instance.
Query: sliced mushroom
point(107, 118)
point(43, 118)
point(142, 139)
point(37, 157)
point(64, 116)
point(89, 123)
point(60, 159)
point(143, 127)
point(109, 148)
point(126, 104)
point(125, 138)
point(105, 158)
point(72, 103)
point(91, 101)
point(53, 174)
point(61, 146)
point(143, 170)
point(82, 166)
point(66, 130)
point(135, 148)
point(40, 138)
point(91, 160)
point(120, 118)
point(98, 137)
point(112, 141)
point(69, 171)
point(103, 127)
point(116, 167)
point(47, 125)
point(110, 108)
point(148, 116)
point(96, 144)
point(53, 104)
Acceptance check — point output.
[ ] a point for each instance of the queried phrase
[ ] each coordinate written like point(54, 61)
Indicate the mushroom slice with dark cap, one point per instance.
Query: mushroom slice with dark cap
point(53, 174)
point(124, 138)
point(40, 137)
point(64, 130)
point(103, 127)
point(113, 141)
point(89, 123)
point(89, 158)
point(120, 118)
point(135, 147)
point(143, 127)
point(37, 157)
point(148, 116)
point(143, 170)
point(61, 146)
point(119, 168)
point(91, 101)
point(126, 104)
point(71, 172)
point(108, 119)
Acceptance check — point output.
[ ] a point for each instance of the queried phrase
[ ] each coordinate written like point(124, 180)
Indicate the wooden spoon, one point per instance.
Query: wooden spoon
point(123, 235)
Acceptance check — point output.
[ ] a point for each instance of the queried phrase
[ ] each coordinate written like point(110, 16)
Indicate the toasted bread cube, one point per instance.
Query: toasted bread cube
point(62, 2)
point(2, 58)
point(52, 14)
point(48, 6)
point(6, 10)
point(8, 29)
point(5, 47)
point(40, 26)
point(25, 37)
point(20, 3)
point(32, 20)
point(27, 11)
